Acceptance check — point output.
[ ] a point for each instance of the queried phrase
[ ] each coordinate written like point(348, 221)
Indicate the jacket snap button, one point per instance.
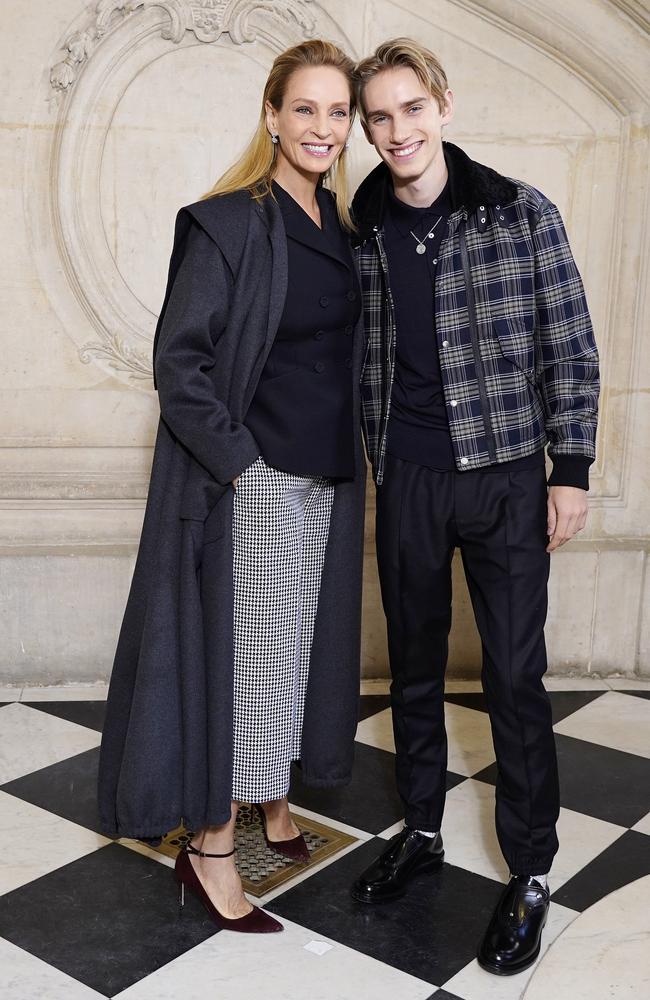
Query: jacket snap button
point(445, 343)
point(319, 367)
point(464, 461)
point(324, 301)
point(481, 208)
point(482, 218)
point(454, 402)
point(319, 335)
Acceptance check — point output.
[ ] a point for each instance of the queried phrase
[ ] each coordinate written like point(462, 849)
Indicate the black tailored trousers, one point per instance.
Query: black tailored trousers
point(498, 521)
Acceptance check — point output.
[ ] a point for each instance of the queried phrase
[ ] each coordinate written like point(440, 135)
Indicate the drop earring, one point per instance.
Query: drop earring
point(274, 138)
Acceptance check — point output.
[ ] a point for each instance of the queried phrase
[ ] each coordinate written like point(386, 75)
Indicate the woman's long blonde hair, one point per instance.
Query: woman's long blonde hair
point(254, 169)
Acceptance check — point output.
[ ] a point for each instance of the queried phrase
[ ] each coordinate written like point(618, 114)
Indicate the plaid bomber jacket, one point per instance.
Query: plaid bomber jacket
point(518, 360)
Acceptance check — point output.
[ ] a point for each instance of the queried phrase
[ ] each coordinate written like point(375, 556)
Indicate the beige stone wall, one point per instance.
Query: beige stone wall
point(114, 114)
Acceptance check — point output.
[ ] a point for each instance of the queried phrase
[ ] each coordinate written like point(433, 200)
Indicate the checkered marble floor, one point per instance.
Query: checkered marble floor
point(84, 917)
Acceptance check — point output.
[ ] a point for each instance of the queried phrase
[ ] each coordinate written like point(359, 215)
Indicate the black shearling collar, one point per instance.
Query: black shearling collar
point(471, 184)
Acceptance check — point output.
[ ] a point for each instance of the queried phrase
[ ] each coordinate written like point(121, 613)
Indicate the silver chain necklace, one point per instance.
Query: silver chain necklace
point(421, 248)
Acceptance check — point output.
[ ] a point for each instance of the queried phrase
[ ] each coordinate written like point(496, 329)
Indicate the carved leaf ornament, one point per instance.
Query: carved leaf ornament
point(111, 32)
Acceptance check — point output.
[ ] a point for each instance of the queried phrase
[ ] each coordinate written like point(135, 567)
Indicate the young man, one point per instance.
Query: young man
point(480, 353)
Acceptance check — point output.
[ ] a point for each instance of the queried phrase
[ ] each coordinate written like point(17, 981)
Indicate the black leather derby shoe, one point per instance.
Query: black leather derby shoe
point(513, 938)
point(409, 853)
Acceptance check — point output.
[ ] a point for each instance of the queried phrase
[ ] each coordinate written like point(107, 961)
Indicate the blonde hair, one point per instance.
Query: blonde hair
point(394, 54)
point(254, 169)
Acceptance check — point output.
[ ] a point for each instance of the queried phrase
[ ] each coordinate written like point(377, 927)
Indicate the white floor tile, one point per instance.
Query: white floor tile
point(25, 977)
point(65, 692)
point(468, 830)
point(392, 830)
point(575, 684)
point(603, 955)
point(468, 734)
point(284, 966)
point(619, 721)
point(470, 838)
point(473, 983)
point(379, 686)
point(10, 693)
point(629, 683)
point(31, 739)
point(34, 842)
point(377, 731)
point(463, 687)
point(643, 826)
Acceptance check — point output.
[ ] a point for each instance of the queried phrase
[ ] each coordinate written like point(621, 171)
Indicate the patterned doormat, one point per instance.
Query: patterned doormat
point(262, 869)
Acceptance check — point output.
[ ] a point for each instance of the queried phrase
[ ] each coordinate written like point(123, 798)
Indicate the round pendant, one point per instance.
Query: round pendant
point(420, 248)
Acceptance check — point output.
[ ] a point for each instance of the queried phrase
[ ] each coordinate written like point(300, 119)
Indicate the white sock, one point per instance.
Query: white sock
point(426, 833)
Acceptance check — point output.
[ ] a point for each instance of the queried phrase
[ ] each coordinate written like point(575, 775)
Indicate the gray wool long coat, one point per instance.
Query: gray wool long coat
point(167, 746)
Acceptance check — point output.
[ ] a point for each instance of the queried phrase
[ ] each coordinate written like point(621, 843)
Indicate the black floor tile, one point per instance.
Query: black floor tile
point(563, 703)
point(469, 699)
point(636, 694)
point(600, 782)
point(107, 920)
point(84, 713)
point(431, 933)
point(370, 704)
point(624, 861)
point(370, 802)
point(443, 995)
point(67, 789)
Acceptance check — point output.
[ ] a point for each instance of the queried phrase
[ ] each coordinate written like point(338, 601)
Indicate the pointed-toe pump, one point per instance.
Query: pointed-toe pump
point(296, 849)
point(255, 922)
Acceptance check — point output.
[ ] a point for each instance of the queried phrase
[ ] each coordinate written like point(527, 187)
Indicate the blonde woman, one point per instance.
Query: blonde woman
point(239, 651)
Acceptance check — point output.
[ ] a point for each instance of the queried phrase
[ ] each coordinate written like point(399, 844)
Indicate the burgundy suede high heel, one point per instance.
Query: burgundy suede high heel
point(255, 922)
point(296, 848)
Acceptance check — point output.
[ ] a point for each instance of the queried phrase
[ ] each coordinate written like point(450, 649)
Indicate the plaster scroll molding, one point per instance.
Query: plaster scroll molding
point(104, 51)
point(207, 19)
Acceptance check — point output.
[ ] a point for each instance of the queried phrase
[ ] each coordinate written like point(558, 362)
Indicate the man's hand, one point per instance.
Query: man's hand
point(567, 514)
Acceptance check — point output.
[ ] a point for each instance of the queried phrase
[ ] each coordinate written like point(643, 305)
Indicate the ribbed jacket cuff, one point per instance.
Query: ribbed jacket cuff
point(570, 470)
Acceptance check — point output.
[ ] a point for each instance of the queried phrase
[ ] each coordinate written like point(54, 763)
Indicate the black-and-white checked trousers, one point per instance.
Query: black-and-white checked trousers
point(280, 530)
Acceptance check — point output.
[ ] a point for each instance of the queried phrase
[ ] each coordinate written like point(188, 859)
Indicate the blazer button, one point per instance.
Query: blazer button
point(348, 362)
point(351, 296)
point(319, 367)
point(319, 335)
point(324, 301)
point(349, 329)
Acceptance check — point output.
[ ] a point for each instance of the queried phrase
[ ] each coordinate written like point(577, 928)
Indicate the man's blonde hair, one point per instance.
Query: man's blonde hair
point(398, 53)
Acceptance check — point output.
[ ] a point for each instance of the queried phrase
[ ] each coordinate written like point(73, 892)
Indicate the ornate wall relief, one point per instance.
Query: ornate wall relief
point(100, 60)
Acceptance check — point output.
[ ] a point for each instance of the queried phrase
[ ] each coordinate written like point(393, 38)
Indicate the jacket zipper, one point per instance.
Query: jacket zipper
point(390, 351)
point(473, 332)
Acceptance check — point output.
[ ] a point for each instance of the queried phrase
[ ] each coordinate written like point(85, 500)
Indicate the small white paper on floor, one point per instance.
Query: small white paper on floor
point(318, 947)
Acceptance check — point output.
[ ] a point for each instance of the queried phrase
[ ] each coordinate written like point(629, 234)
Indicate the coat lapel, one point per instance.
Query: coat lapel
point(302, 229)
point(271, 217)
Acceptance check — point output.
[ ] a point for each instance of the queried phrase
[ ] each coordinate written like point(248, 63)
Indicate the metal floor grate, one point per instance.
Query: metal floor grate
point(261, 869)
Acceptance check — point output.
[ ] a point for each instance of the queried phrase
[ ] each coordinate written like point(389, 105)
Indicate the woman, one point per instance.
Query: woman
point(239, 650)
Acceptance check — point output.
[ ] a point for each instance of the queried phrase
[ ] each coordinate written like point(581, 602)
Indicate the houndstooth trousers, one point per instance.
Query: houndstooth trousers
point(280, 530)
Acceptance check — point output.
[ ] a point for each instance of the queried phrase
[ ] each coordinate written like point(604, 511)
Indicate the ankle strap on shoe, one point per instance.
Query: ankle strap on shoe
point(204, 854)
